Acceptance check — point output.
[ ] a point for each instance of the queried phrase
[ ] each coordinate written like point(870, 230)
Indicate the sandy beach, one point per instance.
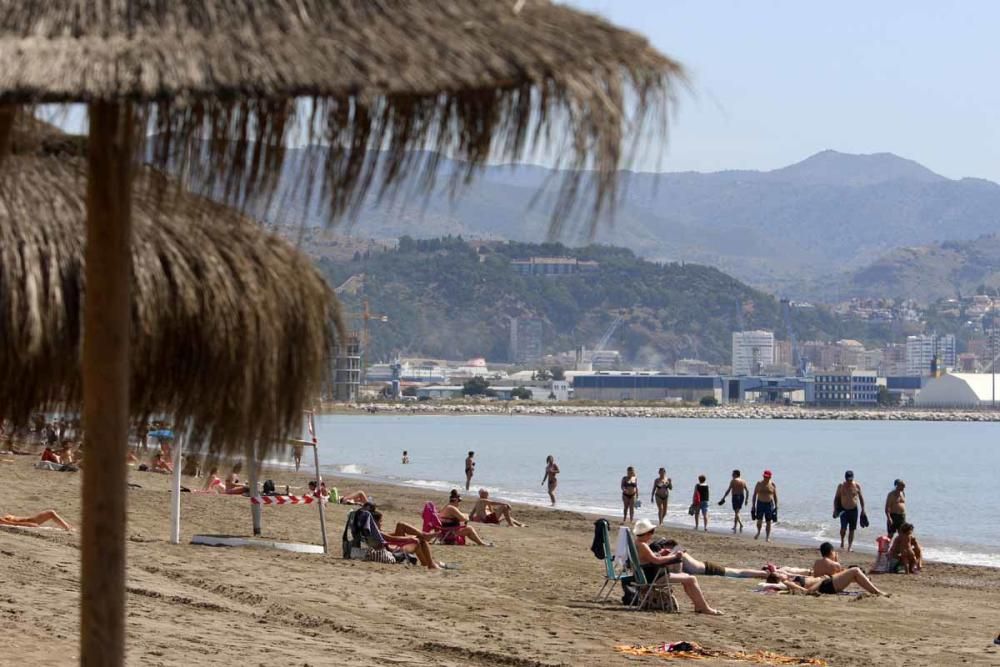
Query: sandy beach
point(525, 602)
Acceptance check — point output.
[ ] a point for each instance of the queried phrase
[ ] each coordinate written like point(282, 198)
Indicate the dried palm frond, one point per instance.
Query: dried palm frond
point(217, 82)
point(231, 326)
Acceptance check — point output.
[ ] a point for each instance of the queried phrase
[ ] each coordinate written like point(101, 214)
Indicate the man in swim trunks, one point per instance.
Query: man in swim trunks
point(828, 563)
point(765, 504)
point(831, 584)
point(846, 504)
point(737, 487)
point(470, 469)
point(491, 511)
point(895, 507)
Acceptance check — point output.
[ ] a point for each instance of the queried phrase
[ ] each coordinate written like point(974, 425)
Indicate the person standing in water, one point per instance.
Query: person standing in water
point(737, 487)
point(765, 504)
point(470, 469)
point(701, 502)
point(847, 503)
point(630, 489)
point(551, 470)
point(661, 494)
point(406, 457)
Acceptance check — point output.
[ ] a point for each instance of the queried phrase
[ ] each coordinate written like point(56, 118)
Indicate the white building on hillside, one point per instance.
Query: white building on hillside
point(959, 390)
point(752, 352)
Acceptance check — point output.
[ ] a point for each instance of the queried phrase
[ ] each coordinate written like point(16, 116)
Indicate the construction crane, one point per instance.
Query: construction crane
point(606, 338)
point(366, 316)
point(797, 359)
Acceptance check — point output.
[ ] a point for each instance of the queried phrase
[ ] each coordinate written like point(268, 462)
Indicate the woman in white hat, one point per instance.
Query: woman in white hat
point(651, 562)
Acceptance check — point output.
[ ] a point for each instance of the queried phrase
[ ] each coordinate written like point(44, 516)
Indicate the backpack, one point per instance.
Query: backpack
point(268, 488)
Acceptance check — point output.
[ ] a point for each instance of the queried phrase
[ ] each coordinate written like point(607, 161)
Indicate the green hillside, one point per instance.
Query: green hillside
point(446, 299)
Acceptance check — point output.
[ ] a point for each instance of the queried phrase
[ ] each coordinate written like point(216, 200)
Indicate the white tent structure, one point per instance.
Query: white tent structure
point(959, 390)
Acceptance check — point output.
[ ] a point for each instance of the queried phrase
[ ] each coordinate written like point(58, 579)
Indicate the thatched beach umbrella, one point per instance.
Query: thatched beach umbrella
point(476, 79)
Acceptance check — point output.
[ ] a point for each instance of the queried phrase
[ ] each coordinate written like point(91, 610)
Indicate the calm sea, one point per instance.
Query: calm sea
point(950, 468)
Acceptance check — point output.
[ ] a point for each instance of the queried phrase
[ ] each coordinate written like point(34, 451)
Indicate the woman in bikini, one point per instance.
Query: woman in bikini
point(408, 539)
point(630, 489)
point(551, 470)
point(233, 485)
point(661, 493)
point(35, 521)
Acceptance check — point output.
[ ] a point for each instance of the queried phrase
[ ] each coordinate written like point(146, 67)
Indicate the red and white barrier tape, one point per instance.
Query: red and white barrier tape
point(284, 500)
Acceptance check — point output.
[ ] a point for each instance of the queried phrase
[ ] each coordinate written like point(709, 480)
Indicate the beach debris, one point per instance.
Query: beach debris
point(694, 651)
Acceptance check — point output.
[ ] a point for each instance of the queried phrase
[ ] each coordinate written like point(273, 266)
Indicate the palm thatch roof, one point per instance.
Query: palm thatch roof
point(231, 326)
point(475, 79)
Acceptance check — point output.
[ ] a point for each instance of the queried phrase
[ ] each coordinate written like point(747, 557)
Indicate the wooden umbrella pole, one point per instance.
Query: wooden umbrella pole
point(106, 385)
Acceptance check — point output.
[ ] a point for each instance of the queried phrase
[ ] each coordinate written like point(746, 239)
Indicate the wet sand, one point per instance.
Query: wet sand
point(525, 602)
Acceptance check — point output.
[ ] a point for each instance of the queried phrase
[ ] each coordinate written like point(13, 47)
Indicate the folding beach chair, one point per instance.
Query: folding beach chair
point(442, 535)
point(611, 575)
point(360, 534)
point(656, 594)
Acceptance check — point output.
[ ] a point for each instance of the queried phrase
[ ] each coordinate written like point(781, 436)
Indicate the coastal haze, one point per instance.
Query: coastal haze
point(808, 459)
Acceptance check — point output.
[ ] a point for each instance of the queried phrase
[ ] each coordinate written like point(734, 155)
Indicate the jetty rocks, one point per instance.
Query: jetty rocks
point(672, 412)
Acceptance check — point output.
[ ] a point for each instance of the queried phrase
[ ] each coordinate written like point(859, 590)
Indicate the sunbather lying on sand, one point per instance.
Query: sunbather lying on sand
point(651, 562)
point(408, 539)
point(682, 561)
point(356, 498)
point(35, 521)
point(491, 511)
point(828, 585)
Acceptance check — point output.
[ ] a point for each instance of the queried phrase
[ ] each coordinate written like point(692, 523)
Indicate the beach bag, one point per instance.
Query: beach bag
point(864, 520)
point(380, 555)
point(692, 509)
point(268, 488)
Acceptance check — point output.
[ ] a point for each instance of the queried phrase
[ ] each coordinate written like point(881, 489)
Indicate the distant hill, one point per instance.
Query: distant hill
point(445, 299)
point(830, 213)
point(925, 273)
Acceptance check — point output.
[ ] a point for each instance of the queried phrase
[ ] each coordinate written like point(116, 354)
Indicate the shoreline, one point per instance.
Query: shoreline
point(785, 537)
point(528, 602)
point(652, 411)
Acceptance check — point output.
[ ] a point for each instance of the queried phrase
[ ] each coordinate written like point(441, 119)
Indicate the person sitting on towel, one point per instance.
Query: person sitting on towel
point(35, 521)
point(453, 520)
point(49, 456)
point(160, 464)
point(491, 511)
point(233, 485)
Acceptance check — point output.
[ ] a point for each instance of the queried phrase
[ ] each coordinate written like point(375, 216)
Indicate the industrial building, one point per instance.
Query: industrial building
point(959, 390)
point(640, 386)
point(347, 369)
point(855, 388)
point(752, 352)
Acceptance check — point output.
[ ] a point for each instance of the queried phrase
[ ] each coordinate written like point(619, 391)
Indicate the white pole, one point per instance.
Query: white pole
point(255, 513)
point(311, 430)
point(175, 509)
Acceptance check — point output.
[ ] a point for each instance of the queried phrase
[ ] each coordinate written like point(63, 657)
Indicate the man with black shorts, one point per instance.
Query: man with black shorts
point(895, 507)
point(848, 504)
point(765, 504)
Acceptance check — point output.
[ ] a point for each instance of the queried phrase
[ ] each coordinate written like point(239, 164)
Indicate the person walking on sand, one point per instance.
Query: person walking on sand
point(737, 487)
point(895, 507)
point(700, 502)
point(847, 503)
point(630, 489)
point(551, 470)
point(297, 455)
point(662, 486)
point(765, 504)
point(470, 469)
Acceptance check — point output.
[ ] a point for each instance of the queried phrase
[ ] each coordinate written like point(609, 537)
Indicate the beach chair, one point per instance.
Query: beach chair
point(656, 594)
point(611, 575)
point(360, 535)
point(442, 535)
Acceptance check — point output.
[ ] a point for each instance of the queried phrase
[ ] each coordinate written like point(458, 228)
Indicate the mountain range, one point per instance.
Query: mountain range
point(807, 230)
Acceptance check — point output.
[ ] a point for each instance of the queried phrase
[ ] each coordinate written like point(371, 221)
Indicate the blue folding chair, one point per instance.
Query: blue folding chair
point(611, 577)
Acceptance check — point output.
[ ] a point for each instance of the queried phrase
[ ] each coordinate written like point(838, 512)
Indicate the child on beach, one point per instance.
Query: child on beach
point(700, 502)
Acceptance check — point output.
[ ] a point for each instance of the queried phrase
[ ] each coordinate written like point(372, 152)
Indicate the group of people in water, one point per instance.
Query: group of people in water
point(848, 503)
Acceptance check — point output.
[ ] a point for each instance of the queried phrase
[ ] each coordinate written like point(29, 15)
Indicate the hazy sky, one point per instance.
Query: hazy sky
point(774, 81)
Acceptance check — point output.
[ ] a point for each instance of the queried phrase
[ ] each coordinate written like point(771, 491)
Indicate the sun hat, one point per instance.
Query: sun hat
point(643, 526)
point(767, 473)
